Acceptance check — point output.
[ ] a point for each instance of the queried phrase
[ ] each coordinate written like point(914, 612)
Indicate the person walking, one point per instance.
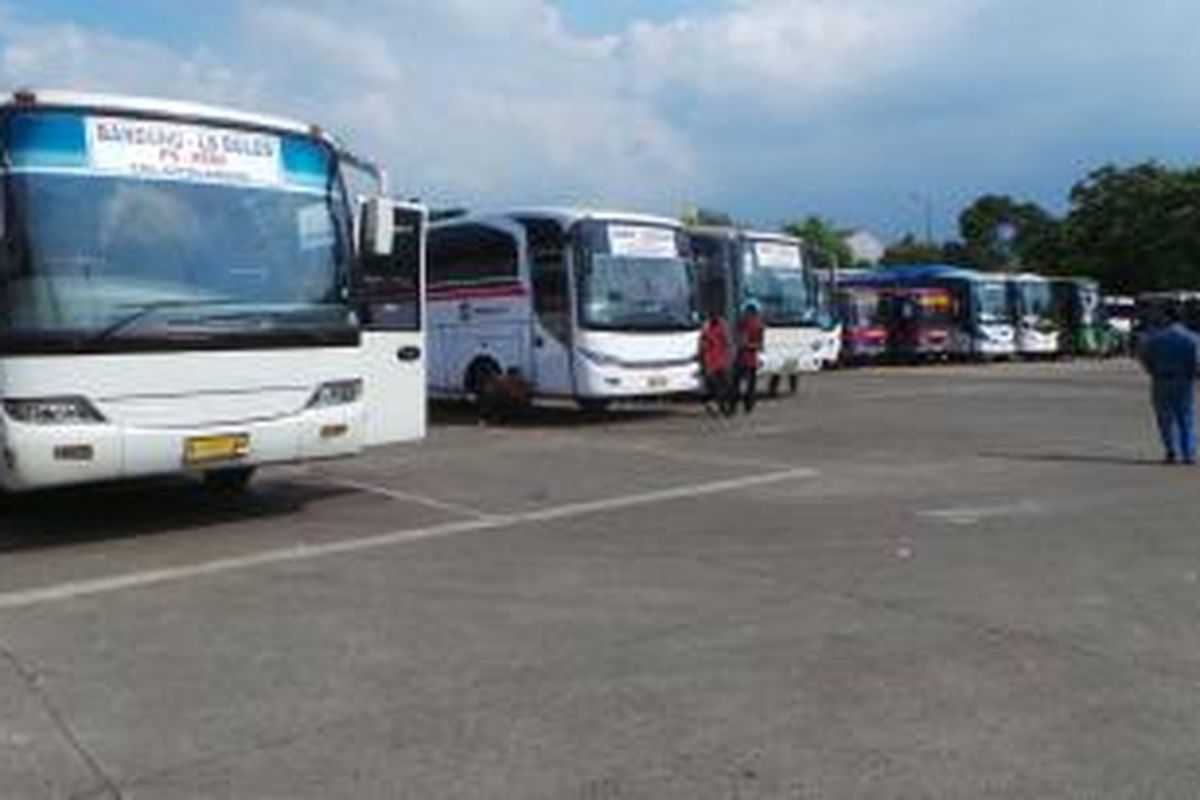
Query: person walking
point(715, 349)
point(750, 334)
point(1171, 355)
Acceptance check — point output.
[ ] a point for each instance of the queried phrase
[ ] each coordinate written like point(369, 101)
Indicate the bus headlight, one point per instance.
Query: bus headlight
point(336, 393)
point(53, 411)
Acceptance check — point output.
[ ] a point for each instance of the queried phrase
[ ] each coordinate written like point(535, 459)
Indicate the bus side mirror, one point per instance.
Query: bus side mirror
point(377, 228)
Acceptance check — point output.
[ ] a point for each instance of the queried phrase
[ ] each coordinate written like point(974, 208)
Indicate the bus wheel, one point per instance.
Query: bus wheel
point(773, 386)
point(793, 384)
point(228, 482)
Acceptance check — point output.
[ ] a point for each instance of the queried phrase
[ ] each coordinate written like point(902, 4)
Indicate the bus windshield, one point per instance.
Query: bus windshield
point(861, 307)
point(107, 248)
point(992, 299)
point(1036, 298)
point(775, 278)
point(934, 306)
point(635, 278)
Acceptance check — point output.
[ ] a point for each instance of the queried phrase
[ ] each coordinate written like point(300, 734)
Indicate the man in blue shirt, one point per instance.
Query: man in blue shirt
point(1171, 355)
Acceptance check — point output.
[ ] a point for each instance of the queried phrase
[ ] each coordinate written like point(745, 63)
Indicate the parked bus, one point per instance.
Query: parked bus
point(175, 295)
point(1151, 307)
point(921, 322)
point(1037, 330)
point(864, 329)
point(578, 304)
point(1080, 317)
point(934, 311)
point(736, 267)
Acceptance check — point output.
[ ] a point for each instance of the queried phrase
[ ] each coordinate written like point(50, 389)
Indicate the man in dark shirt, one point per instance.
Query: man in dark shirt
point(1171, 355)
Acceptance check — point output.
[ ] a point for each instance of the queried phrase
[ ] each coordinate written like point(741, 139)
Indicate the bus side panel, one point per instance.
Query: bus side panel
point(465, 333)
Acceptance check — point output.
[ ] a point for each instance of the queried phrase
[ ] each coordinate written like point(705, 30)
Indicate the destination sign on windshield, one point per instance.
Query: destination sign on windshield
point(778, 255)
point(642, 241)
point(158, 149)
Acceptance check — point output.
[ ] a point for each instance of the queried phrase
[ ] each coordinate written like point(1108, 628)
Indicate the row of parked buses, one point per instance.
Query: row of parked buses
point(192, 289)
point(599, 306)
point(936, 312)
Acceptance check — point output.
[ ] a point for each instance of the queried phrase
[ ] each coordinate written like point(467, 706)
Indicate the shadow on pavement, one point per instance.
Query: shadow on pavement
point(461, 414)
point(1074, 458)
point(65, 517)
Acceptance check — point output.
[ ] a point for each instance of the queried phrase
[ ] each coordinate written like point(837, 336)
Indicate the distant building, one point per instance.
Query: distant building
point(865, 246)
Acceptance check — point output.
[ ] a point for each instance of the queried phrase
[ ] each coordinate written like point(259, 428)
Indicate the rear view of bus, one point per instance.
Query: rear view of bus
point(577, 304)
point(174, 293)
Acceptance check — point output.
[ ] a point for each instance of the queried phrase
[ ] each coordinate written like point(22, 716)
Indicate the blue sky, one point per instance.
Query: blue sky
point(769, 109)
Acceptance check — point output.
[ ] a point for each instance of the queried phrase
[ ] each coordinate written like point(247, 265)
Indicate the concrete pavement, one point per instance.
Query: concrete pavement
point(958, 582)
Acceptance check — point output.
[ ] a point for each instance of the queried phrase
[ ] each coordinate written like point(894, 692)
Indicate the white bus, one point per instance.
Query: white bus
point(1037, 330)
point(578, 304)
point(737, 267)
point(180, 293)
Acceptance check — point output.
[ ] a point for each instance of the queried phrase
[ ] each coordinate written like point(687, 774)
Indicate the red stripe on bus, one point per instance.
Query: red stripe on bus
point(476, 292)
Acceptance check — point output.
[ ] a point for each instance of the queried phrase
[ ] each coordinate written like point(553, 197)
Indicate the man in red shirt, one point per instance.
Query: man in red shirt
point(750, 334)
point(715, 351)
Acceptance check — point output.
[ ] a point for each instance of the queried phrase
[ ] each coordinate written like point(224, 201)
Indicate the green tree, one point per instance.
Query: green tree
point(695, 215)
point(1000, 233)
point(911, 250)
point(1137, 229)
point(826, 247)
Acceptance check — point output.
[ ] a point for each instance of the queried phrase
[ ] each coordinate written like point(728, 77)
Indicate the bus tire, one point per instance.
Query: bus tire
point(228, 482)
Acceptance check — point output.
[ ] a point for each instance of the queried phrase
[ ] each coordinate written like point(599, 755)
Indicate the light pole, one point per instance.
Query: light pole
point(924, 204)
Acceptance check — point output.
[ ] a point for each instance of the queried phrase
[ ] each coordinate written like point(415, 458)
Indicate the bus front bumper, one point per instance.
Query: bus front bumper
point(43, 456)
point(594, 381)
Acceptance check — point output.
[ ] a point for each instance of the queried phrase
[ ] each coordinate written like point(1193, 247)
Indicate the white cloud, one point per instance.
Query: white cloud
point(493, 100)
point(72, 57)
point(782, 51)
point(769, 107)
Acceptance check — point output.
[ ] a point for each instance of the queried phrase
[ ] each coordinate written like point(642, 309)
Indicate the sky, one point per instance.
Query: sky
point(861, 111)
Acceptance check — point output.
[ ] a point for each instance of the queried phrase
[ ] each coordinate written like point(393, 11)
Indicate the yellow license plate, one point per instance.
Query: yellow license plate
point(657, 382)
point(206, 449)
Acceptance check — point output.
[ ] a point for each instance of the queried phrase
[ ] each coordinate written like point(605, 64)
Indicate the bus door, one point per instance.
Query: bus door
point(389, 295)
point(551, 322)
point(717, 262)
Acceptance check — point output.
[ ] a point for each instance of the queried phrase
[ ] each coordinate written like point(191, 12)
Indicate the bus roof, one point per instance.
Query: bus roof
point(914, 272)
point(733, 232)
point(118, 104)
point(569, 215)
point(24, 99)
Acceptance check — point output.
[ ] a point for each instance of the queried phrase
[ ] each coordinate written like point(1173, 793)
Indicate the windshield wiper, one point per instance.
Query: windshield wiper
point(143, 311)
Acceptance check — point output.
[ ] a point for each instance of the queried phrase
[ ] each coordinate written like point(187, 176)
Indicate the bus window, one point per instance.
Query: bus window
point(470, 255)
point(389, 287)
point(548, 266)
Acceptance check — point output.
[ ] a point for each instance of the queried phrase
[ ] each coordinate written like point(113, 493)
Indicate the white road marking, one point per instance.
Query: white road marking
point(89, 588)
point(407, 497)
point(973, 516)
point(682, 455)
